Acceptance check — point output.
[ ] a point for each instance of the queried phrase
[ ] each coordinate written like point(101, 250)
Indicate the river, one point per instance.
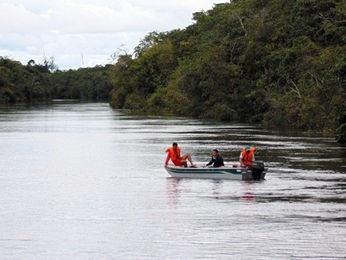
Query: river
point(83, 181)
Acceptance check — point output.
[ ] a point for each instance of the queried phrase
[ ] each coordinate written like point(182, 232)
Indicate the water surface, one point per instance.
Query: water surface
point(83, 181)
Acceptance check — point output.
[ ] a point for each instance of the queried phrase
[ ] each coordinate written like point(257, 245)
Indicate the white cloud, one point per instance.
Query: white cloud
point(86, 32)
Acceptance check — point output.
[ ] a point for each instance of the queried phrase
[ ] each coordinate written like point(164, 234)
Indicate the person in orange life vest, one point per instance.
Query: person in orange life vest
point(247, 156)
point(174, 154)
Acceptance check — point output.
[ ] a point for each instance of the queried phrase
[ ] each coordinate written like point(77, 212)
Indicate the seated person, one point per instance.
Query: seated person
point(216, 159)
point(174, 154)
point(247, 156)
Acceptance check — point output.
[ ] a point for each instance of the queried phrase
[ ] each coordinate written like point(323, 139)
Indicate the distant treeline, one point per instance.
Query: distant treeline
point(42, 82)
point(279, 63)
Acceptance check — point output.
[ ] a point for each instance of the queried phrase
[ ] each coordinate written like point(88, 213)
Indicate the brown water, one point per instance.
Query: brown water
point(82, 181)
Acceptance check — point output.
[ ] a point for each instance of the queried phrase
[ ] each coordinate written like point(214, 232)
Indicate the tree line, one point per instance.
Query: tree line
point(33, 82)
point(279, 63)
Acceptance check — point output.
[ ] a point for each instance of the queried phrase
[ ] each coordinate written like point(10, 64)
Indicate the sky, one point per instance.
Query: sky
point(85, 33)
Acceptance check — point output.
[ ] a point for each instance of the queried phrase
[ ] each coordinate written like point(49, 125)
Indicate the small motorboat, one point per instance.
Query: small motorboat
point(233, 172)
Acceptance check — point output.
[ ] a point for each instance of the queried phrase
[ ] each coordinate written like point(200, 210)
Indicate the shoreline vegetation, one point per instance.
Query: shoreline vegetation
point(281, 64)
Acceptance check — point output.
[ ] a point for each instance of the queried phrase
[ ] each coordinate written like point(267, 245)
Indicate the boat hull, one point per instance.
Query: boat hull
point(228, 173)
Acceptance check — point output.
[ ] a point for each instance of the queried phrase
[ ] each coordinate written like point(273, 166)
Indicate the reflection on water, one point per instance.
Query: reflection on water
point(173, 190)
point(84, 181)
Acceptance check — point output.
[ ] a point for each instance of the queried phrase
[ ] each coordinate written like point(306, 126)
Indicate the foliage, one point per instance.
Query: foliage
point(281, 63)
point(84, 84)
point(20, 83)
point(43, 82)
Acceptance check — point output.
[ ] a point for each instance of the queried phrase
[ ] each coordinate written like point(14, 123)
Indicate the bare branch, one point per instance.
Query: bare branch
point(241, 24)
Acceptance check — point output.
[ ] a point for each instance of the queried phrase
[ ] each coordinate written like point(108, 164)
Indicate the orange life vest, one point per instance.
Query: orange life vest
point(174, 155)
point(247, 157)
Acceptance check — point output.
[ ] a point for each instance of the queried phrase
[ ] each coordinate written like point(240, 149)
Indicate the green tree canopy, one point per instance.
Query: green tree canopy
point(280, 63)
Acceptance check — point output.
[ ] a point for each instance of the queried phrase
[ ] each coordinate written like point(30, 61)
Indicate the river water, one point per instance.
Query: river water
point(83, 181)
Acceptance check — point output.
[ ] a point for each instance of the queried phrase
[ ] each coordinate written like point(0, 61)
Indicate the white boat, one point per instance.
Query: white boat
point(257, 172)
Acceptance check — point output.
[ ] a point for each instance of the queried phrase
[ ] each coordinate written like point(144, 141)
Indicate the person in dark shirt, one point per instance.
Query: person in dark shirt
point(216, 159)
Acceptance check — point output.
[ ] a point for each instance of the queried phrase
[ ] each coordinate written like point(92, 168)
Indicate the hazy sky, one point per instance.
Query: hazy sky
point(85, 33)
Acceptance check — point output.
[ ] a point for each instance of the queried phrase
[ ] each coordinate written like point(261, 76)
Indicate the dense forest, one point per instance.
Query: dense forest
point(42, 82)
point(279, 63)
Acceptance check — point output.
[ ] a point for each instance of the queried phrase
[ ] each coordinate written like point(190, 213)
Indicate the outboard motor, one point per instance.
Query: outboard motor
point(257, 170)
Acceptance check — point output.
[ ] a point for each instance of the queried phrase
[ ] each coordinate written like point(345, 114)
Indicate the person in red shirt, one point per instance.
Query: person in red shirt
point(174, 154)
point(247, 156)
